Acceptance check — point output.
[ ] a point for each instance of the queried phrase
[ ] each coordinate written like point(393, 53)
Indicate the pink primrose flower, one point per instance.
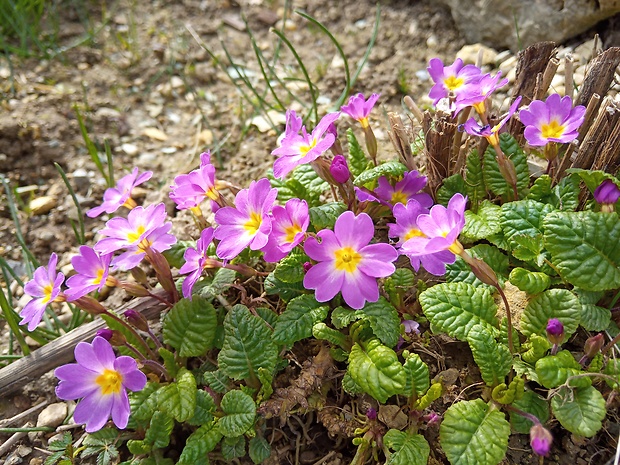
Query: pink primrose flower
point(347, 262)
point(406, 227)
point(289, 225)
point(359, 108)
point(554, 120)
point(248, 223)
point(476, 94)
point(472, 127)
point(101, 379)
point(189, 190)
point(297, 149)
point(452, 79)
point(92, 272)
point(196, 261)
point(407, 188)
point(439, 229)
point(44, 288)
point(116, 197)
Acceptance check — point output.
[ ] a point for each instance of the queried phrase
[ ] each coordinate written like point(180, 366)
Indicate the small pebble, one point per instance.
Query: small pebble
point(53, 415)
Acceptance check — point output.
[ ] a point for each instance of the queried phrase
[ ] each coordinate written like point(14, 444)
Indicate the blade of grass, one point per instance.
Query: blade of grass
point(108, 156)
point(371, 44)
point(11, 318)
point(81, 236)
point(91, 148)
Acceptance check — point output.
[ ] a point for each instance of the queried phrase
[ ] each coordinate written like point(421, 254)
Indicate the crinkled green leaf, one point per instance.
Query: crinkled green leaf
point(530, 403)
point(247, 345)
point(286, 291)
point(535, 348)
point(482, 224)
point(343, 317)
point(143, 403)
point(585, 248)
point(454, 308)
point(613, 369)
point(393, 169)
point(170, 362)
point(493, 179)
point(493, 358)
point(190, 326)
point(595, 318)
point(472, 433)
point(541, 190)
point(450, 186)
point(400, 282)
point(474, 179)
point(580, 411)
point(239, 413)
point(552, 303)
point(291, 268)
point(296, 322)
point(507, 394)
point(418, 380)
point(524, 217)
point(268, 315)
point(325, 216)
point(303, 183)
point(266, 380)
point(432, 394)
point(554, 370)
point(199, 444)
point(532, 282)
point(377, 370)
point(567, 191)
point(138, 447)
point(259, 449)
point(178, 399)
point(383, 319)
point(174, 255)
point(350, 386)
point(205, 407)
point(357, 159)
point(216, 380)
point(159, 430)
point(324, 332)
point(233, 448)
point(221, 281)
point(593, 178)
point(529, 249)
point(409, 449)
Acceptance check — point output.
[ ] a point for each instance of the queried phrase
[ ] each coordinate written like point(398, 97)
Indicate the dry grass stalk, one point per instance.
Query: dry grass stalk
point(599, 76)
point(542, 84)
point(400, 140)
point(439, 137)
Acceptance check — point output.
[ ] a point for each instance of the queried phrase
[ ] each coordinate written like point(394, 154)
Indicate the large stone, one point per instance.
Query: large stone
point(495, 22)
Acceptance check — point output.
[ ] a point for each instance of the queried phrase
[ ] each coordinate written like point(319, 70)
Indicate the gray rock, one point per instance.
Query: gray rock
point(492, 22)
point(52, 415)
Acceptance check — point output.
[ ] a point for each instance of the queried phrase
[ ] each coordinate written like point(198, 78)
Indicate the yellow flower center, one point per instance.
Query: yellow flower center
point(413, 232)
point(110, 382)
point(135, 235)
point(47, 293)
point(553, 130)
point(291, 231)
point(364, 122)
point(212, 193)
point(99, 277)
point(399, 197)
point(347, 259)
point(304, 149)
point(453, 82)
point(253, 224)
point(456, 248)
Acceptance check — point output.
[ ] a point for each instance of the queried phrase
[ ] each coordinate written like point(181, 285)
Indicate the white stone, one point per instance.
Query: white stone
point(469, 54)
point(53, 415)
point(130, 149)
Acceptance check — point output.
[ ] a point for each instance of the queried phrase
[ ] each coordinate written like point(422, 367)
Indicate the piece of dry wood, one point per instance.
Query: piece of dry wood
point(60, 351)
point(599, 75)
point(439, 131)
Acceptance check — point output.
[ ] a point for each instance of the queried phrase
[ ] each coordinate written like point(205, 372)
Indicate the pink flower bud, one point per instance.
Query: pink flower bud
point(105, 333)
point(555, 331)
point(540, 440)
point(137, 319)
point(371, 414)
point(593, 345)
point(607, 194)
point(339, 169)
point(307, 266)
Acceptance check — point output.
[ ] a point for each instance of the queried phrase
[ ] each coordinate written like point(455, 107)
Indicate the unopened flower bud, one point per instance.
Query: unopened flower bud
point(105, 333)
point(540, 440)
point(90, 305)
point(593, 345)
point(371, 414)
point(339, 169)
point(555, 331)
point(371, 142)
point(137, 319)
point(337, 147)
point(607, 194)
point(134, 289)
point(115, 338)
point(307, 266)
point(139, 275)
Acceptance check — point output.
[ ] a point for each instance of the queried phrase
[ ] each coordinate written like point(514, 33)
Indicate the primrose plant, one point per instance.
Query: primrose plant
point(341, 253)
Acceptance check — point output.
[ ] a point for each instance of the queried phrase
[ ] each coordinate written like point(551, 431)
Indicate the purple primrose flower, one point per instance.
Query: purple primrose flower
point(347, 262)
point(452, 79)
point(407, 188)
point(101, 379)
point(476, 94)
point(289, 225)
point(120, 195)
point(472, 127)
point(359, 108)
point(92, 272)
point(189, 190)
point(195, 261)
point(44, 288)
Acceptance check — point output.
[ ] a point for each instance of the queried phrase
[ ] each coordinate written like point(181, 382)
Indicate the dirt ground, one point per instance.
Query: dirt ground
point(147, 87)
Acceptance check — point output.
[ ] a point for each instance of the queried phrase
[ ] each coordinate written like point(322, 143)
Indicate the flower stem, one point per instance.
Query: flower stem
point(133, 332)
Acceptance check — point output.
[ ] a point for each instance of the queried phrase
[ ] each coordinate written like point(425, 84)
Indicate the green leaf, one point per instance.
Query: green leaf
point(418, 380)
point(553, 371)
point(174, 255)
point(190, 326)
point(159, 430)
point(524, 218)
point(324, 332)
point(357, 159)
point(552, 303)
point(170, 362)
point(221, 281)
point(216, 380)
point(247, 345)
point(532, 282)
point(325, 216)
point(483, 224)
point(472, 433)
point(178, 399)
point(455, 308)
point(199, 444)
point(593, 178)
point(205, 406)
point(291, 268)
point(296, 322)
point(493, 358)
point(303, 183)
point(460, 271)
point(580, 411)
point(259, 449)
point(567, 191)
point(233, 448)
point(391, 168)
point(493, 179)
point(383, 319)
point(595, 318)
point(138, 447)
point(286, 291)
point(143, 403)
point(450, 186)
point(239, 413)
point(351, 386)
point(474, 179)
point(402, 278)
point(409, 449)
point(530, 403)
point(541, 190)
point(377, 370)
point(343, 317)
point(585, 248)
